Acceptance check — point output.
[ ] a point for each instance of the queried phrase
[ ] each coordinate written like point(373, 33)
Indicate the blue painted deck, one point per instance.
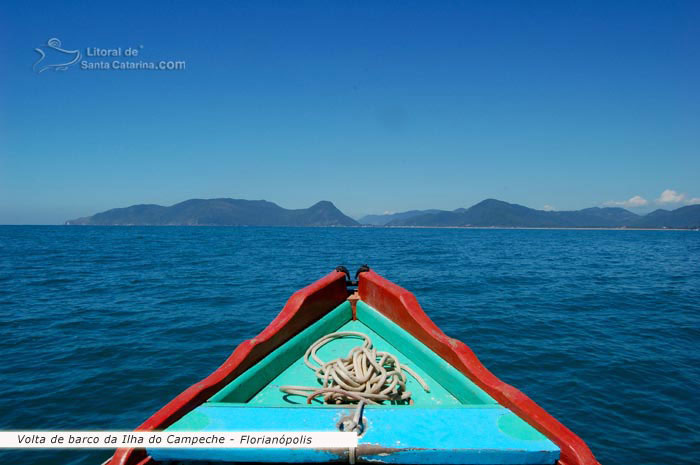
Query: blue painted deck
point(471, 435)
point(456, 422)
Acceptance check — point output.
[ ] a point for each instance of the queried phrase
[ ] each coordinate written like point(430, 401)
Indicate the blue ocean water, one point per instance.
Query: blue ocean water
point(99, 327)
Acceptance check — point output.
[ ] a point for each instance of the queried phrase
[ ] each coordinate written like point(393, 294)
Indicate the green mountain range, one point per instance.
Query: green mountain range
point(487, 213)
point(496, 213)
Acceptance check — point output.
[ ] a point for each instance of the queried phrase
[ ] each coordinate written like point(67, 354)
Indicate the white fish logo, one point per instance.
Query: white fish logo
point(54, 57)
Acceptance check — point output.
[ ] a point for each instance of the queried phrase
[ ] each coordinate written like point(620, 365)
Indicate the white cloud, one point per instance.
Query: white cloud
point(548, 208)
point(633, 202)
point(670, 196)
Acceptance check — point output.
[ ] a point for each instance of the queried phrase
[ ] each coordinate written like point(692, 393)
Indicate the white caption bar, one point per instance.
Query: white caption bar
point(166, 439)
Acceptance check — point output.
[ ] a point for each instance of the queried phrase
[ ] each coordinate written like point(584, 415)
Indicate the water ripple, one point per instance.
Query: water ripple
point(99, 327)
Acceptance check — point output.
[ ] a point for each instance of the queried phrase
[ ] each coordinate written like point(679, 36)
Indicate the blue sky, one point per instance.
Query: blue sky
point(376, 106)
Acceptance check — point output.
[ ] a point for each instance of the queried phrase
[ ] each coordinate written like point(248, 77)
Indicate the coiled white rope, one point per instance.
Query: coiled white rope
point(365, 374)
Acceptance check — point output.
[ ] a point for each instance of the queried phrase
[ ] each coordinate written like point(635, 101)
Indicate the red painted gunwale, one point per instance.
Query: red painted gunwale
point(303, 308)
point(401, 306)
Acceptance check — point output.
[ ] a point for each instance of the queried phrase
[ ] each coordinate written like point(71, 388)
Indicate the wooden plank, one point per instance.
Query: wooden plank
point(304, 307)
point(400, 306)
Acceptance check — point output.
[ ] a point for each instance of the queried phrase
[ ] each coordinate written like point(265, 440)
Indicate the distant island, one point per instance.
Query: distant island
point(219, 212)
point(496, 213)
point(489, 213)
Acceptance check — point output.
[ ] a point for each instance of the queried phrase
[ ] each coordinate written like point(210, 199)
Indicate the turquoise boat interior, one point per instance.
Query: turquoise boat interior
point(455, 422)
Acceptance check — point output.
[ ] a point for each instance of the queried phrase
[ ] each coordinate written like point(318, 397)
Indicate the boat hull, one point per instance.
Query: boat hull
point(401, 308)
